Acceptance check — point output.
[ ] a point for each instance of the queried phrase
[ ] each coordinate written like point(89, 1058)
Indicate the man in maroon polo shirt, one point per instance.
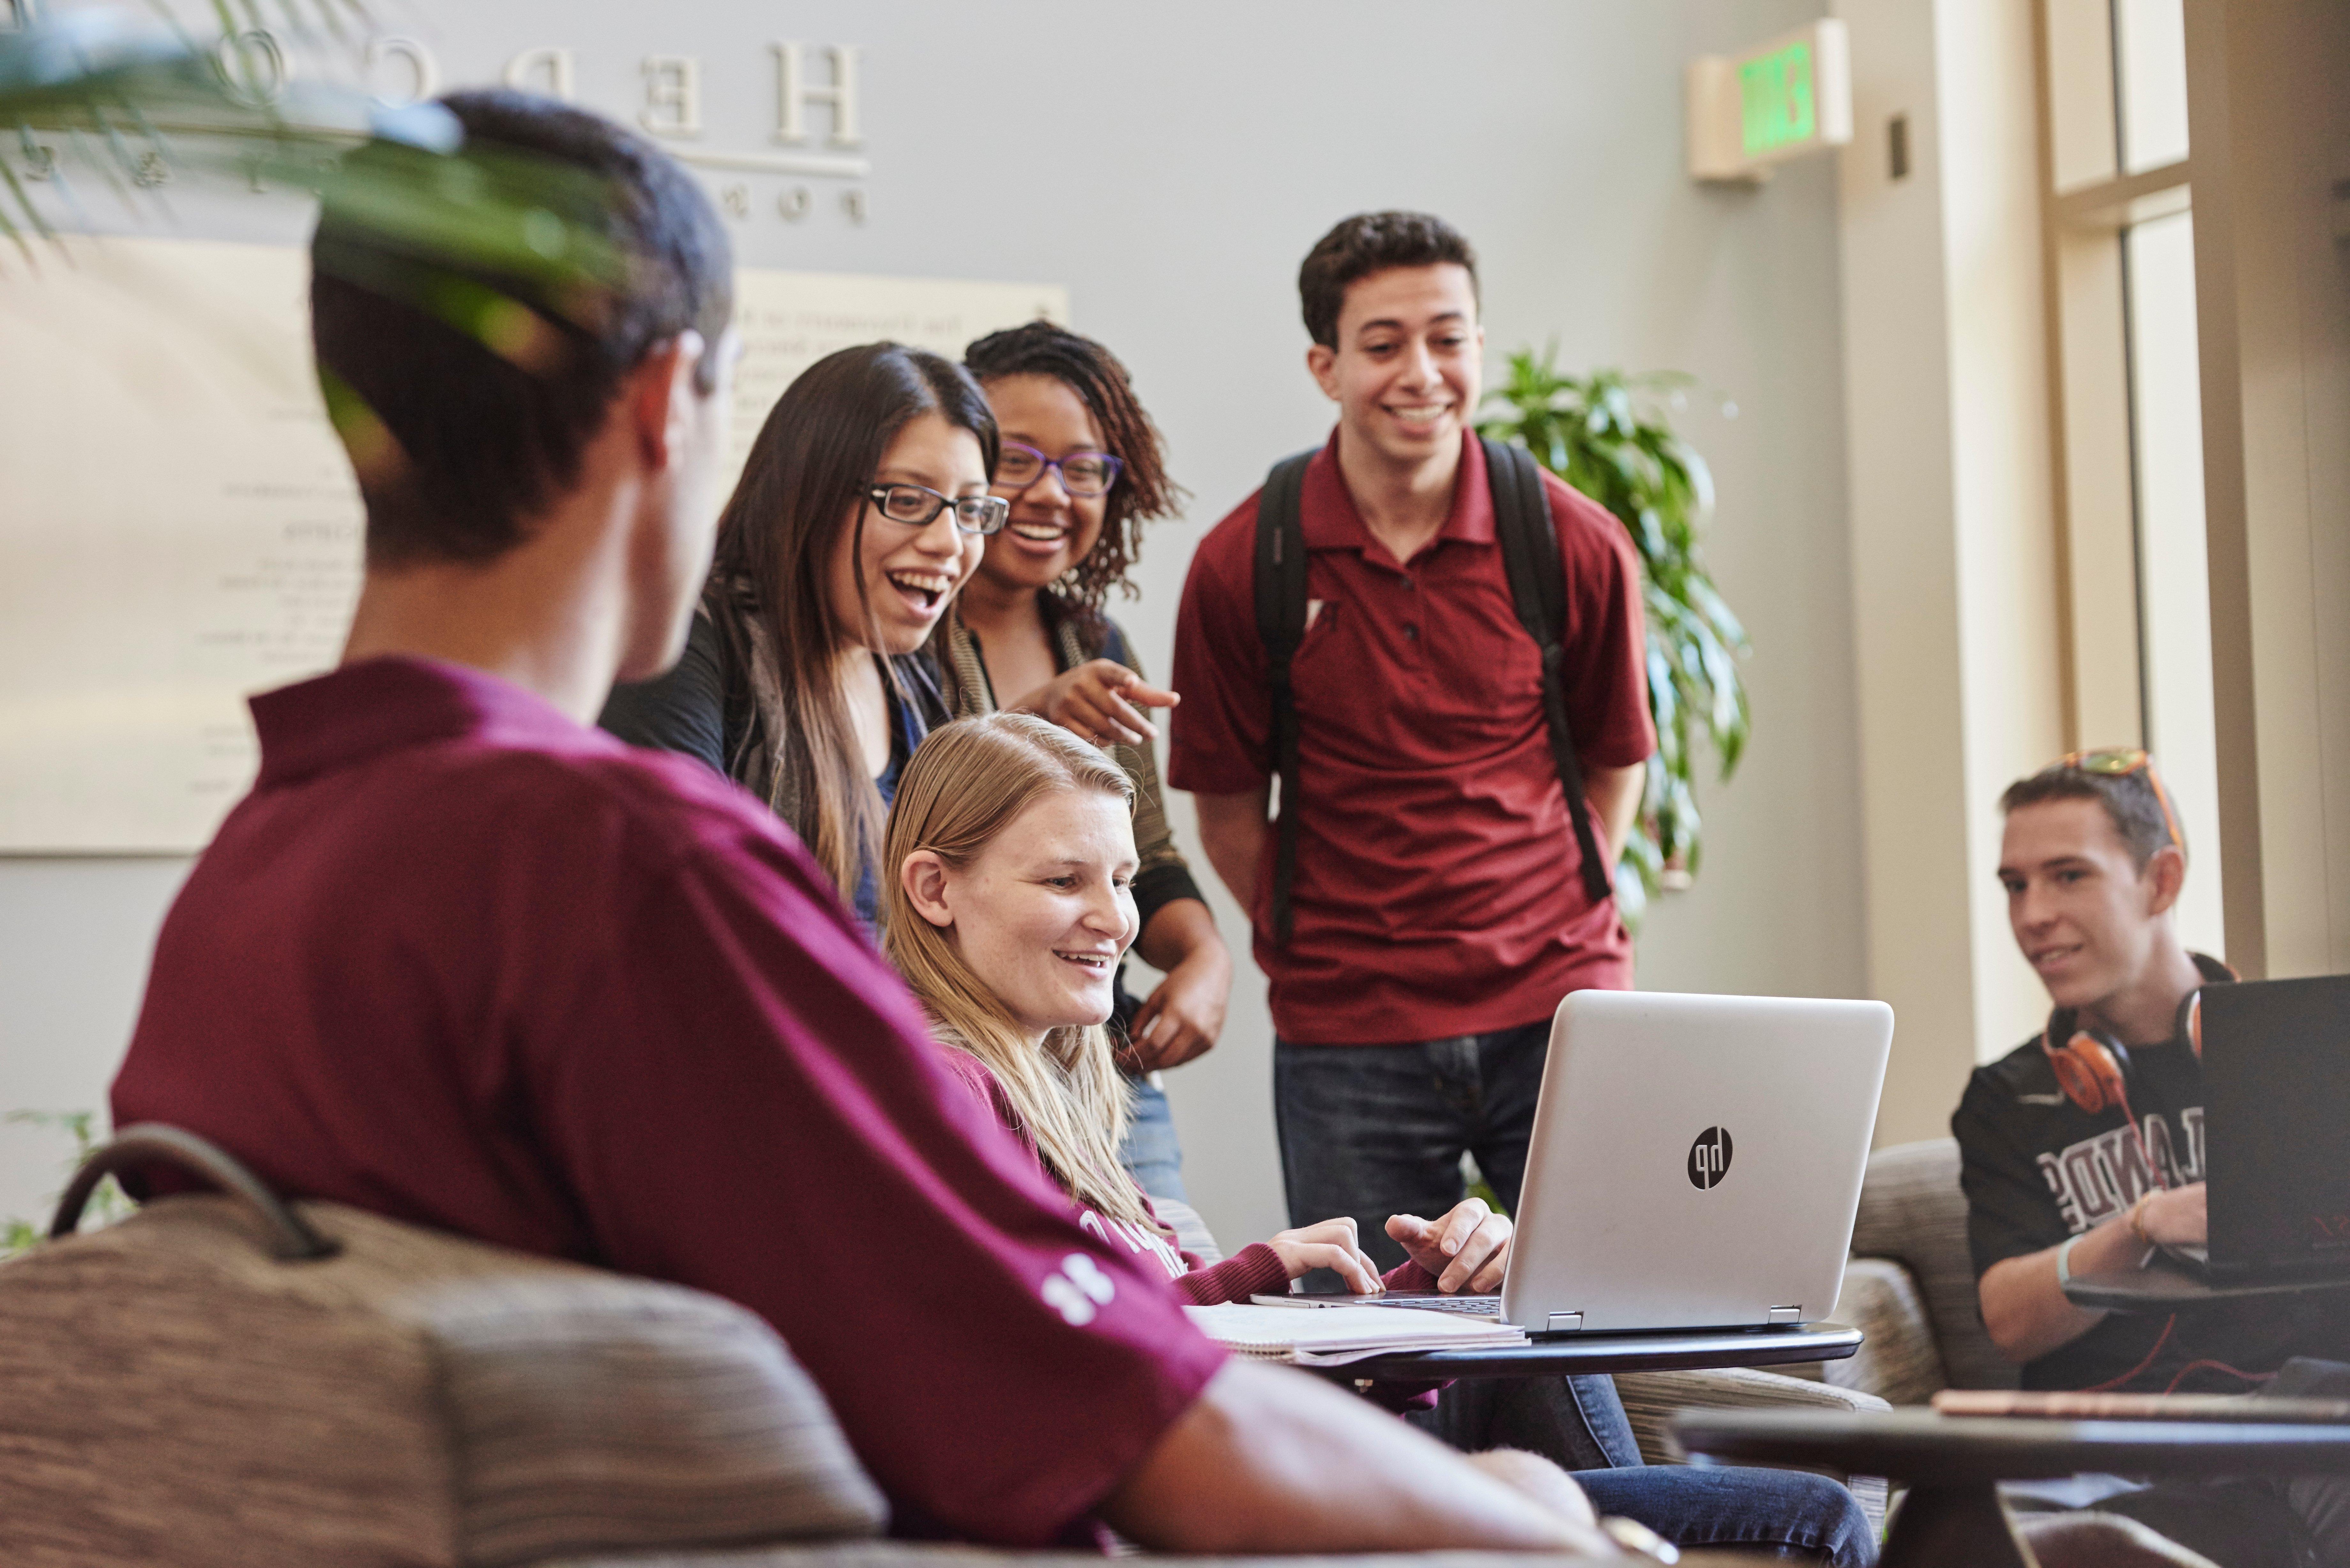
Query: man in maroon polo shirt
point(1439, 907)
point(462, 959)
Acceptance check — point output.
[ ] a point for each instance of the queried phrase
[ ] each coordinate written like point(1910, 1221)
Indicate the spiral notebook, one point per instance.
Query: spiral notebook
point(1336, 1335)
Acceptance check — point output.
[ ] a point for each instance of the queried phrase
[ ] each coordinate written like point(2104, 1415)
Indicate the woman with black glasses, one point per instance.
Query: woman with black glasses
point(859, 515)
point(1083, 469)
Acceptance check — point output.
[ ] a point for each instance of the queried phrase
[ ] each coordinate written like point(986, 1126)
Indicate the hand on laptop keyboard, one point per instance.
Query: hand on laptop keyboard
point(1467, 1249)
point(1332, 1244)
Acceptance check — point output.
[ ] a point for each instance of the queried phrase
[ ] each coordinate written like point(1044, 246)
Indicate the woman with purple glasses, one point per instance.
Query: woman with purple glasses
point(1082, 467)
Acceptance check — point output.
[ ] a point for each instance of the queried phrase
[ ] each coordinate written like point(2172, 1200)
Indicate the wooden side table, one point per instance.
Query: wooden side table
point(1953, 1517)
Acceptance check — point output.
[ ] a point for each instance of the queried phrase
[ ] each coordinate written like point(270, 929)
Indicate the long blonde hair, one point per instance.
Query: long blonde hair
point(965, 784)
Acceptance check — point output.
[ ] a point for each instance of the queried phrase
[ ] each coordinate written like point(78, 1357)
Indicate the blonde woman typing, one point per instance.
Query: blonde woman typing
point(1011, 852)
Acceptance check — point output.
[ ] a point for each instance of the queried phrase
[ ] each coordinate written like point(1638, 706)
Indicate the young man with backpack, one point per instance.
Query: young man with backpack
point(1438, 649)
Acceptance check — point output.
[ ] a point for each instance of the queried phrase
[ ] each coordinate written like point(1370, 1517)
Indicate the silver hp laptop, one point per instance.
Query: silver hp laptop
point(1696, 1161)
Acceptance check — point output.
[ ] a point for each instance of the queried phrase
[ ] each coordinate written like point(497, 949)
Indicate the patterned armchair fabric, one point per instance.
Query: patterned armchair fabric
point(1191, 1233)
point(1911, 1285)
point(174, 1395)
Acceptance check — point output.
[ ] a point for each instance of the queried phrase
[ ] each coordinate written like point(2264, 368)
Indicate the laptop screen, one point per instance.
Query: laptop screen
point(2276, 1077)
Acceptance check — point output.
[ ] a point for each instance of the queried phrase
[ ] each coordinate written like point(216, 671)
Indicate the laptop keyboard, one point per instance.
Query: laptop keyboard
point(1430, 1300)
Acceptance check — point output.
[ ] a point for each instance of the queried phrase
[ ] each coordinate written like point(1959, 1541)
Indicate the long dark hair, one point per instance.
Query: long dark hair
point(1143, 491)
point(802, 488)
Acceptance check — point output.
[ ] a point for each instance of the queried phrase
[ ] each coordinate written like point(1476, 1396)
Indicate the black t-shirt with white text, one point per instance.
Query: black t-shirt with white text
point(2037, 1169)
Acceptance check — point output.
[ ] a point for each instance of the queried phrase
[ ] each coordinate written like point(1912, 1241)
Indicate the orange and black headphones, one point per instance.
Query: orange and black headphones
point(2093, 1070)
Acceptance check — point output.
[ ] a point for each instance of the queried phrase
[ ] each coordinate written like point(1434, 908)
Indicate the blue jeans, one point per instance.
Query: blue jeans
point(1375, 1130)
point(1579, 1424)
point(1150, 1153)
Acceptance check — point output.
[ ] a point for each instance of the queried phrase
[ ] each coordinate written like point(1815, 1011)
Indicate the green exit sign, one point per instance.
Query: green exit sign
point(1782, 98)
point(1775, 95)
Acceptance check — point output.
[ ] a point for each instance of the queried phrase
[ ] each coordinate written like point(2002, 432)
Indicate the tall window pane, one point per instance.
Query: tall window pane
point(2174, 594)
point(2150, 81)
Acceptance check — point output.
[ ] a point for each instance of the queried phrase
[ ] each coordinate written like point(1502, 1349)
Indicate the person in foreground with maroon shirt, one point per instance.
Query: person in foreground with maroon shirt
point(1439, 909)
point(460, 960)
point(1013, 852)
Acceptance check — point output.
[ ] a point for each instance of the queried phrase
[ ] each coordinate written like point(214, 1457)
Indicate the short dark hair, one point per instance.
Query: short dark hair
point(1142, 492)
point(2129, 799)
point(459, 436)
point(1368, 242)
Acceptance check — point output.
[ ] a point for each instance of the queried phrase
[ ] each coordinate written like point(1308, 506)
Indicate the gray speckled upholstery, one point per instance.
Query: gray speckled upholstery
point(170, 1393)
point(1191, 1233)
point(1898, 1360)
point(1913, 1214)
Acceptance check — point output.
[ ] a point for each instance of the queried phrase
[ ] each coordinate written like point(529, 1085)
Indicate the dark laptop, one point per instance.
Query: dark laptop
point(2276, 1130)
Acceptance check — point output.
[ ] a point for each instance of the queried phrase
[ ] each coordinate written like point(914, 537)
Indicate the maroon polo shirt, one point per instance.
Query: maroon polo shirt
point(459, 961)
point(1438, 888)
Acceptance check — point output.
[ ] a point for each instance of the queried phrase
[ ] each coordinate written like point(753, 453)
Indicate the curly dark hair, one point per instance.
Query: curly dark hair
point(1143, 491)
point(1368, 242)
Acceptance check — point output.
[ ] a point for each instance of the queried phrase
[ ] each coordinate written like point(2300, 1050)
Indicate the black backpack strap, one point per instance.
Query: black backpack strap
point(1529, 540)
point(1281, 626)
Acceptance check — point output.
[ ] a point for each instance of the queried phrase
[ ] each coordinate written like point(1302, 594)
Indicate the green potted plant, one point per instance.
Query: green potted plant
point(1607, 435)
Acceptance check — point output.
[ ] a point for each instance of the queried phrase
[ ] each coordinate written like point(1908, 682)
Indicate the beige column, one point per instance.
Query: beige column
point(1954, 551)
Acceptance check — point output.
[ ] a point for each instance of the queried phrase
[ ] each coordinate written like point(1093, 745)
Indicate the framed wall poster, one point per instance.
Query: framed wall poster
point(179, 528)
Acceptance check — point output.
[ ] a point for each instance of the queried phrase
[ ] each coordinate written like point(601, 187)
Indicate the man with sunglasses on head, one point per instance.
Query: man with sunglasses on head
point(2082, 1151)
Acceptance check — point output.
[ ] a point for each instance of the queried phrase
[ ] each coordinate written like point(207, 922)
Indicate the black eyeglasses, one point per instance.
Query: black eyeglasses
point(1084, 475)
point(916, 505)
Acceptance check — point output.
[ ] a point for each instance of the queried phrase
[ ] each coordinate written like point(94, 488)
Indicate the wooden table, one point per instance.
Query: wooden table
point(1578, 1354)
point(1953, 1517)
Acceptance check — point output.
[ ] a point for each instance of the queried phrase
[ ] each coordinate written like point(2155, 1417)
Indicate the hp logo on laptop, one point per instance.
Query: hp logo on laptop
point(1708, 1159)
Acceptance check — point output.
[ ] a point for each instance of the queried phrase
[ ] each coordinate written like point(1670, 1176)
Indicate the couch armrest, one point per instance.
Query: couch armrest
point(1192, 1232)
point(1897, 1359)
point(1650, 1398)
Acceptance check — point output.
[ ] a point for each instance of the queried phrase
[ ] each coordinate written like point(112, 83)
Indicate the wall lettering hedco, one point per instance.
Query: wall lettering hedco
point(671, 110)
point(403, 70)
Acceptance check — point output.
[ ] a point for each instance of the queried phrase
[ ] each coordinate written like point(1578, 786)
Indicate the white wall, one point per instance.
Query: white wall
point(1172, 168)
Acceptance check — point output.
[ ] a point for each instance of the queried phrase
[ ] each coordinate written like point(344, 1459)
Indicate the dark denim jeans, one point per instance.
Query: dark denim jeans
point(1579, 1423)
point(1375, 1130)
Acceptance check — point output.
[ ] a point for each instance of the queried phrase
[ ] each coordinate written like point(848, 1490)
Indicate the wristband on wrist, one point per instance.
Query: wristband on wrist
point(2137, 1219)
point(2065, 1260)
